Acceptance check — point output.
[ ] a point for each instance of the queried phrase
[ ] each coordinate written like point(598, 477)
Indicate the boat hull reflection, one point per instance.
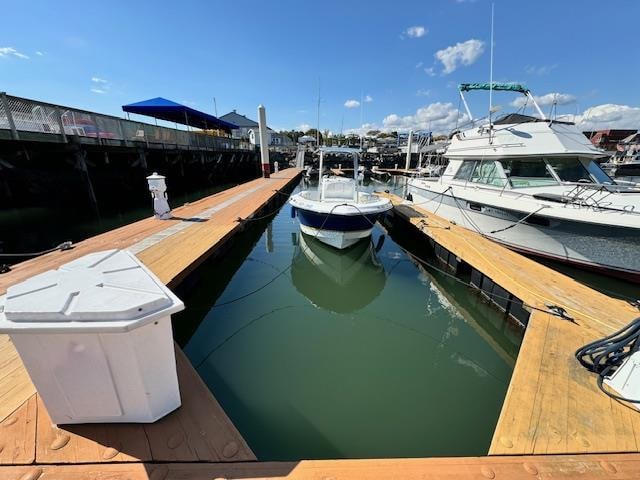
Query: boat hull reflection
point(341, 281)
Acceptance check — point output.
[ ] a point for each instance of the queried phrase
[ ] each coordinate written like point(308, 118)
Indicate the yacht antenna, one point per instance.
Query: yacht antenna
point(361, 107)
point(491, 76)
point(318, 122)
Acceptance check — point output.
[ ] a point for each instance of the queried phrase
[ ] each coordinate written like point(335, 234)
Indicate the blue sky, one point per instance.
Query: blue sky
point(406, 56)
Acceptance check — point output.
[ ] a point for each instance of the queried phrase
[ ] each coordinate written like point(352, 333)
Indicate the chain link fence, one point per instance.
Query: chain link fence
point(31, 116)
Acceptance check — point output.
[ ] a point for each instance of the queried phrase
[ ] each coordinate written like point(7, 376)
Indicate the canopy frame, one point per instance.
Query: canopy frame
point(497, 86)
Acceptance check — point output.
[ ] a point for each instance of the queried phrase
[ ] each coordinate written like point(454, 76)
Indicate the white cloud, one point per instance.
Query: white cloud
point(423, 92)
point(352, 103)
point(368, 99)
point(546, 100)
point(439, 117)
point(303, 127)
point(464, 53)
point(609, 115)
point(419, 64)
point(10, 51)
point(362, 130)
point(540, 69)
point(430, 71)
point(39, 53)
point(98, 80)
point(415, 31)
point(98, 90)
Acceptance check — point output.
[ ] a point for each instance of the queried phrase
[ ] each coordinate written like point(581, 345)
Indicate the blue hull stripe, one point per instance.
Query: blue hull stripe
point(341, 223)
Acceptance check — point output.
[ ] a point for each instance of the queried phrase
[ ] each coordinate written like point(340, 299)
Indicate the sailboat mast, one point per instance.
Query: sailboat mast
point(318, 119)
point(361, 117)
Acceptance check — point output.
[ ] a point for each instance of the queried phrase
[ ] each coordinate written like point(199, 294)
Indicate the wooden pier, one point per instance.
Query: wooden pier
point(552, 406)
point(197, 431)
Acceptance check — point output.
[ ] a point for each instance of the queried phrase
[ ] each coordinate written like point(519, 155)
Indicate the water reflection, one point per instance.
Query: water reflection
point(341, 281)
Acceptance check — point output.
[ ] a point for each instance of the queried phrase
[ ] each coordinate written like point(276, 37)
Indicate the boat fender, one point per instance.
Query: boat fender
point(293, 212)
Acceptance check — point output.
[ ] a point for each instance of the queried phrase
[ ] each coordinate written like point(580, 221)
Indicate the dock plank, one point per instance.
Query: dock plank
point(19, 435)
point(200, 429)
point(15, 385)
point(553, 404)
point(584, 467)
point(197, 431)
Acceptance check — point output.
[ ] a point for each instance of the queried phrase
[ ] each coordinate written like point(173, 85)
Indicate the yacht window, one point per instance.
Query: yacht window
point(576, 170)
point(528, 172)
point(464, 172)
point(487, 172)
point(569, 169)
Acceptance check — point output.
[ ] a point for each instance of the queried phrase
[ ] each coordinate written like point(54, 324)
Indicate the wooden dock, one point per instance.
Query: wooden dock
point(197, 431)
point(553, 405)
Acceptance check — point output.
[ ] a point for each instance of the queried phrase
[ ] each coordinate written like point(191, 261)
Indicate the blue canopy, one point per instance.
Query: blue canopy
point(174, 112)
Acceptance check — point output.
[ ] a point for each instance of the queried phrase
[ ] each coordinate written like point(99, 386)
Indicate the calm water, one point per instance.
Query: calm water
point(360, 353)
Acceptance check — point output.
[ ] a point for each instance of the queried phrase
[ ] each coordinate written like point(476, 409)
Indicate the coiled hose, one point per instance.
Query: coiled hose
point(606, 355)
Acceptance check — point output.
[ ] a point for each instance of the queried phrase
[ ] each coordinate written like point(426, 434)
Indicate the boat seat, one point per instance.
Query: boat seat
point(338, 190)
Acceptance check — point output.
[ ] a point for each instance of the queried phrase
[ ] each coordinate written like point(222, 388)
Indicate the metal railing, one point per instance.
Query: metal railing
point(23, 115)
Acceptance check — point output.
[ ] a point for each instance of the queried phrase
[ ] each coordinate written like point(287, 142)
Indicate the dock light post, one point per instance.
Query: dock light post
point(158, 189)
point(409, 147)
point(264, 144)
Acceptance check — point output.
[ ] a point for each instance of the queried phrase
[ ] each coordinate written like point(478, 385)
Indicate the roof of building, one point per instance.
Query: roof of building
point(239, 120)
point(175, 112)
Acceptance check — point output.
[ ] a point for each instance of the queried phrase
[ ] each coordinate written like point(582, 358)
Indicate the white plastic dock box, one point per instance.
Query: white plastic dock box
point(95, 337)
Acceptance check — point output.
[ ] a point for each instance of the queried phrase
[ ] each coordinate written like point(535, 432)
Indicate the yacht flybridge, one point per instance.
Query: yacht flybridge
point(337, 212)
point(533, 184)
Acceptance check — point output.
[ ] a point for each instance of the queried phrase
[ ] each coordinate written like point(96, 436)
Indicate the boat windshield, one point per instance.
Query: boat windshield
point(528, 172)
point(576, 170)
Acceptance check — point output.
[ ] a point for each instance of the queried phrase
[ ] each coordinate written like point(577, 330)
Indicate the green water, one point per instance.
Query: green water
point(360, 353)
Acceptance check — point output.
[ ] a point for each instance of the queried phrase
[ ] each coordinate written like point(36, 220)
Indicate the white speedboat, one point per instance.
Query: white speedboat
point(533, 184)
point(337, 212)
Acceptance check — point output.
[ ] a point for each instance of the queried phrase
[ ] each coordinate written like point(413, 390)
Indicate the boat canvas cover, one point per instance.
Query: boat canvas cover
point(507, 87)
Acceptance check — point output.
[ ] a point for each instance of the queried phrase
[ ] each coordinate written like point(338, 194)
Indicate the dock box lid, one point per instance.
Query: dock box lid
point(110, 291)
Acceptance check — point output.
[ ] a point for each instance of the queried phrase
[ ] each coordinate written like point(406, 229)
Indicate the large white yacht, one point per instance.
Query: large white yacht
point(532, 184)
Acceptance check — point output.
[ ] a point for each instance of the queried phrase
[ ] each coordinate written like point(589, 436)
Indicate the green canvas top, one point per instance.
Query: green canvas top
point(513, 87)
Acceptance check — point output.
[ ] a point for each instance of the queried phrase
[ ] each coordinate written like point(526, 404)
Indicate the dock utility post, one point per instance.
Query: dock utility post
point(264, 144)
point(158, 189)
point(95, 337)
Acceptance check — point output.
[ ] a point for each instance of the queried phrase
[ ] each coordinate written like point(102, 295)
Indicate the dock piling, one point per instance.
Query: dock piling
point(407, 164)
point(264, 144)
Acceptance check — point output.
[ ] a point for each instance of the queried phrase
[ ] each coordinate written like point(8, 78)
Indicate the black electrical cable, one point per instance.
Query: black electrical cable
point(606, 355)
point(63, 246)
